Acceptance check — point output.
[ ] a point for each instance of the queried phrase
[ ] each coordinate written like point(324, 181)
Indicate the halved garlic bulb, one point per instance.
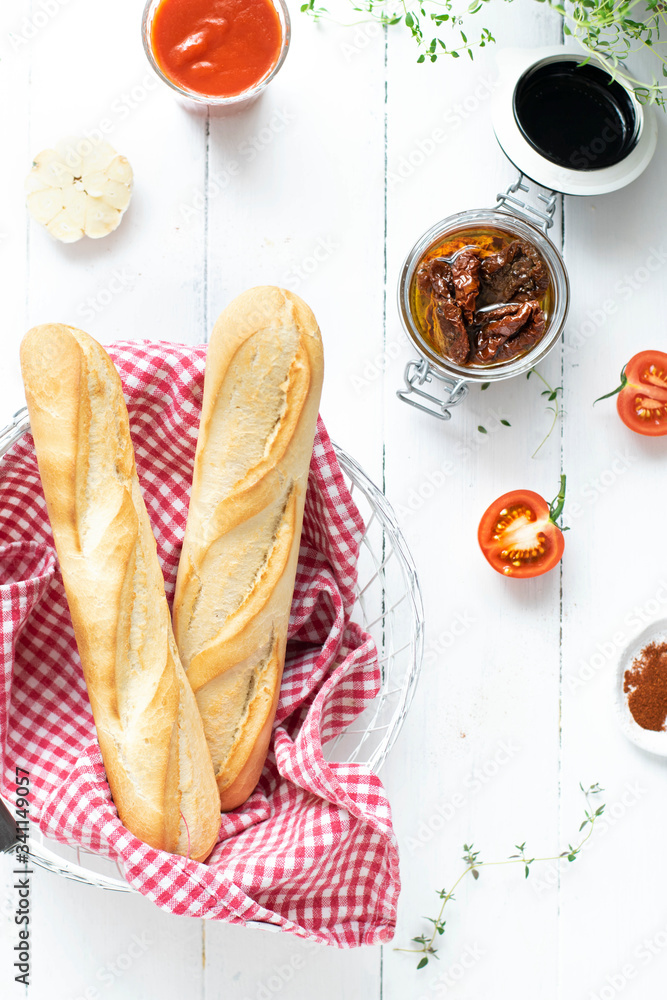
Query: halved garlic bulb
point(78, 194)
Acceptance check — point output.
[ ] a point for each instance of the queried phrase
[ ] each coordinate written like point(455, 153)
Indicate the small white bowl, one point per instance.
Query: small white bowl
point(647, 739)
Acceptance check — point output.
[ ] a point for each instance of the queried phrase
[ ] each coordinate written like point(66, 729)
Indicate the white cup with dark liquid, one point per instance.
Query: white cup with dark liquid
point(568, 125)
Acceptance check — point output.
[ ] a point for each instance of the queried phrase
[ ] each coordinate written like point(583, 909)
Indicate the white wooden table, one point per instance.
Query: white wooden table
point(514, 706)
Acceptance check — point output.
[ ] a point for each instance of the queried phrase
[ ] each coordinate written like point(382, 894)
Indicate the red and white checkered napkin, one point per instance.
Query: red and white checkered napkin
point(313, 850)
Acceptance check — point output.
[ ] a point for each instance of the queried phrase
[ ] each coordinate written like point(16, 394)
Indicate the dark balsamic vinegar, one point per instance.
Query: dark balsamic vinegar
point(575, 115)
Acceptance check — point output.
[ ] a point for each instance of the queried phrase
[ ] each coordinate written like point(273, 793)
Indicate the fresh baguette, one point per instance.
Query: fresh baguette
point(149, 730)
point(236, 574)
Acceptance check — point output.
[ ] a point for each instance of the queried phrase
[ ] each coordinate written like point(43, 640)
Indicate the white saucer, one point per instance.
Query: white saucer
point(654, 742)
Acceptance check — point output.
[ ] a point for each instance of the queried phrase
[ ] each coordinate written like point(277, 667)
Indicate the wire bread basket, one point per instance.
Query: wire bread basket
point(388, 606)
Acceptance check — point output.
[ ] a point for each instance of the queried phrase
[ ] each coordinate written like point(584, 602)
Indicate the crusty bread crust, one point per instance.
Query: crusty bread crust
point(148, 725)
point(236, 574)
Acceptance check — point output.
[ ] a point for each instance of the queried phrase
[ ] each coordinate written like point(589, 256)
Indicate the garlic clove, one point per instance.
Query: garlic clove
point(51, 170)
point(45, 204)
point(117, 195)
point(101, 218)
point(98, 160)
point(121, 171)
point(68, 225)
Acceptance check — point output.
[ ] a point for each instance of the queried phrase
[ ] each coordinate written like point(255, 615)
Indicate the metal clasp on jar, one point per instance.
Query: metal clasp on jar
point(418, 373)
point(508, 201)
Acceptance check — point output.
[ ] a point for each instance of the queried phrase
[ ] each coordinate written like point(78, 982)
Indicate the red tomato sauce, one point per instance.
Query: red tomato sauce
point(217, 48)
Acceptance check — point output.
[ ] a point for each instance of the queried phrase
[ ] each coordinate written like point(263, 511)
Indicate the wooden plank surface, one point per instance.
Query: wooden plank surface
point(612, 939)
point(514, 707)
point(481, 742)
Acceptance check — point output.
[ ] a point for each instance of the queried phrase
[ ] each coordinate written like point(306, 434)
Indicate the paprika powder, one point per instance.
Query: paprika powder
point(645, 684)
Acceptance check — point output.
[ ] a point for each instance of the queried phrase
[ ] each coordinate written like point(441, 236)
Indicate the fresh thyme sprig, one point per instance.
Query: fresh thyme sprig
point(426, 942)
point(481, 428)
point(612, 30)
point(424, 19)
point(609, 30)
point(553, 398)
point(557, 410)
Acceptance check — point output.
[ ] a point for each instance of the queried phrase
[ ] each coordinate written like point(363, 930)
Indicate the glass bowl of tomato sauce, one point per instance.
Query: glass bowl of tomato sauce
point(216, 53)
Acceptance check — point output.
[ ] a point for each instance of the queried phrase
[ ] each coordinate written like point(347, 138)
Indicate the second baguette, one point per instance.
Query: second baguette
point(236, 574)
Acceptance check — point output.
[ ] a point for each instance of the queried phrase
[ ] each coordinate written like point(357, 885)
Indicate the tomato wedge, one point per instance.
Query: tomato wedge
point(518, 534)
point(642, 394)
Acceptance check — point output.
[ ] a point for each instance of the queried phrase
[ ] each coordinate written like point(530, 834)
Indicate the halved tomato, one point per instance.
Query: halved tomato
point(642, 394)
point(642, 403)
point(518, 533)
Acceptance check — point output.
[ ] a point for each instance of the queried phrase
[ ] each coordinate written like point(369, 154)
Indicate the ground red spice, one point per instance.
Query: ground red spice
point(645, 683)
